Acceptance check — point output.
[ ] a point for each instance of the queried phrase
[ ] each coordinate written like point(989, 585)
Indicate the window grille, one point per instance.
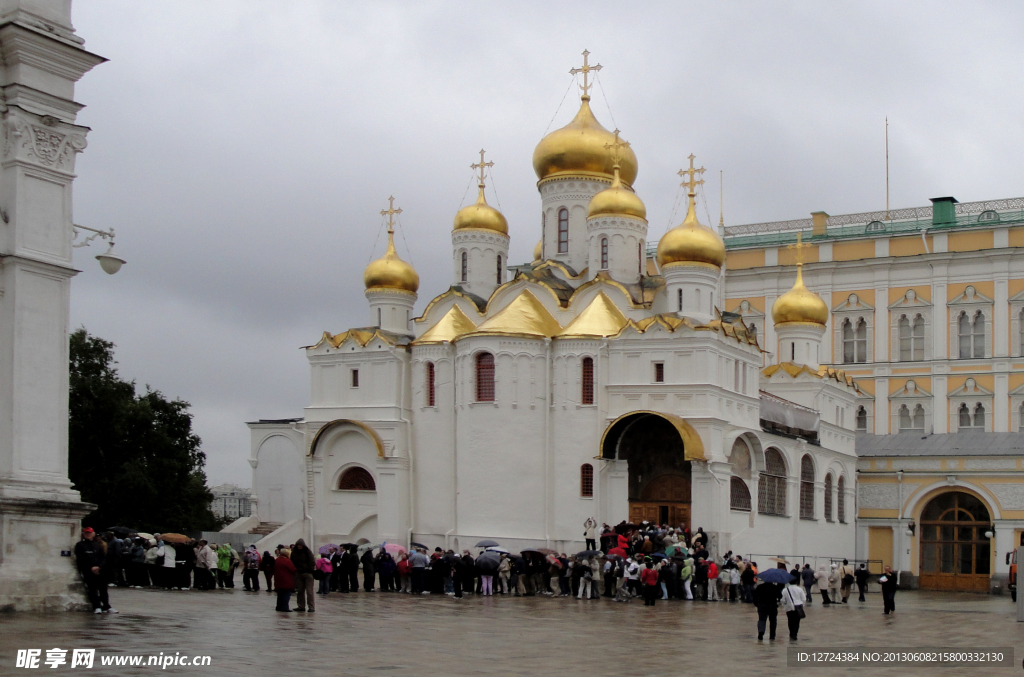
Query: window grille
point(587, 381)
point(355, 378)
point(604, 253)
point(965, 416)
point(659, 372)
point(771, 486)
point(586, 480)
point(485, 377)
point(357, 479)
point(739, 495)
point(431, 401)
point(465, 266)
point(806, 488)
point(499, 269)
point(563, 230)
point(828, 497)
point(841, 495)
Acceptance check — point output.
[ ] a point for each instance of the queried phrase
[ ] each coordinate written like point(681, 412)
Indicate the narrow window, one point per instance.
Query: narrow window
point(806, 488)
point(848, 343)
point(963, 326)
point(965, 416)
point(499, 269)
point(979, 417)
point(979, 334)
point(586, 480)
point(862, 419)
point(604, 253)
point(642, 256)
point(792, 352)
point(862, 341)
point(563, 230)
point(736, 375)
point(1021, 320)
point(739, 495)
point(659, 372)
point(906, 340)
point(753, 331)
point(355, 378)
point(587, 380)
point(378, 317)
point(904, 416)
point(828, 497)
point(465, 266)
point(841, 495)
point(771, 486)
point(919, 418)
point(431, 401)
point(485, 377)
point(917, 341)
point(680, 293)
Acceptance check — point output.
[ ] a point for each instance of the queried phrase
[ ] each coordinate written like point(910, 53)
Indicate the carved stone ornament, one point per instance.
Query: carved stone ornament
point(43, 143)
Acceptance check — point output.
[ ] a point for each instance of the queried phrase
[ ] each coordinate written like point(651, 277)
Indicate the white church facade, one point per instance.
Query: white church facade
point(596, 382)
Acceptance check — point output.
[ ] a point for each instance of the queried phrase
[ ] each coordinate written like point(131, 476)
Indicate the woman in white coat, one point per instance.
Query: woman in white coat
point(822, 579)
point(792, 603)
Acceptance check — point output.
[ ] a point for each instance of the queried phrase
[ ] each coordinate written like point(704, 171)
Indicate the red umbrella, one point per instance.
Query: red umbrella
point(555, 561)
point(621, 552)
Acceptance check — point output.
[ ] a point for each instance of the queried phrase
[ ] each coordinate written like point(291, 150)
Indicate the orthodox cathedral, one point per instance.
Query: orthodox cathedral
point(601, 380)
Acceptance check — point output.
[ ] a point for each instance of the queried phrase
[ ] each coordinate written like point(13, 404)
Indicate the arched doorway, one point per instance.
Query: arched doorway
point(658, 448)
point(955, 554)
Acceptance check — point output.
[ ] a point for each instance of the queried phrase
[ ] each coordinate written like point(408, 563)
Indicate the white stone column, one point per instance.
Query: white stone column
point(1001, 315)
point(42, 59)
point(940, 313)
point(882, 325)
point(882, 414)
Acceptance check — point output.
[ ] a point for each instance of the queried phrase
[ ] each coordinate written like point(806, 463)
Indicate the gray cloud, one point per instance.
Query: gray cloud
point(243, 150)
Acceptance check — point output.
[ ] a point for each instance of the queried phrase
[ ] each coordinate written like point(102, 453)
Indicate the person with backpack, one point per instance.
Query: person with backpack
point(251, 571)
point(845, 580)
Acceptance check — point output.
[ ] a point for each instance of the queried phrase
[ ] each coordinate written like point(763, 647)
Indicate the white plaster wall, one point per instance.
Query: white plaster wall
point(279, 479)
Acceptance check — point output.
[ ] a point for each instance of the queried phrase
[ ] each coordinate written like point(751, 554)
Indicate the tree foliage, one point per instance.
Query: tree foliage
point(135, 456)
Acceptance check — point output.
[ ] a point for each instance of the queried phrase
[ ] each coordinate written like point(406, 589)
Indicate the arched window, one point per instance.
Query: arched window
point(771, 486)
point(753, 330)
point(969, 421)
point(862, 419)
point(965, 416)
point(855, 341)
point(841, 495)
point(739, 495)
point(919, 418)
point(357, 479)
point(828, 497)
point(971, 335)
point(431, 401)
point(806, 487)
point(679, 292)
point(1020, 428)
point(465, 266)
point(484, 377)
point(604, 253)
point(587, 381)
point(586, 480)
point(1021, 319)
point(563, 230)
point(499, 269)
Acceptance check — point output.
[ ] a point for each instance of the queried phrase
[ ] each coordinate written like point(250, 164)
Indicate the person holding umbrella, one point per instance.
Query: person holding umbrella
point(766, 598)
point(488, 563)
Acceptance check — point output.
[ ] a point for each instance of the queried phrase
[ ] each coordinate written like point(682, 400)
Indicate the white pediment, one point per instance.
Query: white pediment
point(910, 391)
point(853, 304)
point(970, 388)
point(970, 296)
point(909, 300)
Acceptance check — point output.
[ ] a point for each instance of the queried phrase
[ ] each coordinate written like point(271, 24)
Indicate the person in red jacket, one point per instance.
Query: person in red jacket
point(649, 579)
point(284, 579)
point(712, 581)
point(404, 572)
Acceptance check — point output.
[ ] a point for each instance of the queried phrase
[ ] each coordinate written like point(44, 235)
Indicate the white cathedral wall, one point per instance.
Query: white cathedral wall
point(338, 513)
point(433, 436)
point(278, 474)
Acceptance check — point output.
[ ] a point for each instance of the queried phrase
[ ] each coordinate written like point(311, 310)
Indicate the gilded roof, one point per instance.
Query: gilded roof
point(524, 315)
point(600, 318)
point(362, 336)
point(794, 370)
point(453, 324)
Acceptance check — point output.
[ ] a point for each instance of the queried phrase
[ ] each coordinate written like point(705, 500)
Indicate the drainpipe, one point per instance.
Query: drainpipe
point(408, 445)
point(547, 442)
point(924, 232)
point(307, 516)
point(455, 448)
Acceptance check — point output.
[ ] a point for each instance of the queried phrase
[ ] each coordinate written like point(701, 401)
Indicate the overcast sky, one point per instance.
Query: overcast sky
point(243, 150)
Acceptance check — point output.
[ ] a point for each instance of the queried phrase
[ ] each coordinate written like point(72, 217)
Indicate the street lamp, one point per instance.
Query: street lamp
point(110, 262)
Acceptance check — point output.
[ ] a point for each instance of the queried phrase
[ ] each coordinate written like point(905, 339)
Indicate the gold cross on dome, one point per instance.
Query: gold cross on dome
point(586, 71)
point(690, 182)
point(799, 247)
point(390, 213)
point(615, 146)
point(482, 166)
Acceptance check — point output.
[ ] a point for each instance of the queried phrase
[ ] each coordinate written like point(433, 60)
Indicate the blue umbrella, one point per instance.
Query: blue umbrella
point(774, 576)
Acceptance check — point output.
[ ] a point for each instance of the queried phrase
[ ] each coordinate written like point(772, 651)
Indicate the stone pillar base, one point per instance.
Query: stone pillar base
point(34, 574)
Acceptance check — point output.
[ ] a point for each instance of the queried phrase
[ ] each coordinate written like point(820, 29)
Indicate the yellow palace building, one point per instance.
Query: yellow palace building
point(927, 314)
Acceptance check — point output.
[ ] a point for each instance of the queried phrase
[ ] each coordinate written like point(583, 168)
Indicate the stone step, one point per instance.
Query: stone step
point(265, 528)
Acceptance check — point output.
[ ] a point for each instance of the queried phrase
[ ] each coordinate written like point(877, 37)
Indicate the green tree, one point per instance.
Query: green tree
point(134, 456)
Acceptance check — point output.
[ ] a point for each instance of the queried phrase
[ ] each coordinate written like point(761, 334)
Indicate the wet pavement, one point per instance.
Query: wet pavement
point(374, 634)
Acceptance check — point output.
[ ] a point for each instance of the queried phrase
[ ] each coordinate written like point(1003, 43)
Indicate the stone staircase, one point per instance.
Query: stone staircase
point(265, 528)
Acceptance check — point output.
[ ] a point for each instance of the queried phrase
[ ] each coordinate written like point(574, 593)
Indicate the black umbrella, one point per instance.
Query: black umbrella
point(589, 553)
point(418, 545)
point(120, 532)
point(486, 544)
point(488, 561)
point(347, 545)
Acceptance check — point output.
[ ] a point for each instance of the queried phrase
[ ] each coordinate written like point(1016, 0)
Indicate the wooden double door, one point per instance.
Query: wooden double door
point(663, 500)
point(955, 553)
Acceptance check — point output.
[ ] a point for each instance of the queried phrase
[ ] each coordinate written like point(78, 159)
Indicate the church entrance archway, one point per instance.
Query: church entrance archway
point(955, 553)
point(658, 449)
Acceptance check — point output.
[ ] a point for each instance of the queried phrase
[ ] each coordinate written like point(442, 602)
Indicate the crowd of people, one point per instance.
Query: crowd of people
point(647, 561)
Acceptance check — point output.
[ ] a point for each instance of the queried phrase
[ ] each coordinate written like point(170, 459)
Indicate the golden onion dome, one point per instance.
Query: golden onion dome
point(581, 147)
point(538, 251)
point(691, 242)
point(800, 304)
point(391, 272)
point(480, 216)
point(618, 200)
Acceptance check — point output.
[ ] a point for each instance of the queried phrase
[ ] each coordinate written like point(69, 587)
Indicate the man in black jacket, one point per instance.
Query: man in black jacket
point(888, 581)
point(349, 581)
point(766, 598)
point(305, 564)
point(91, 558)
point(862, 575)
